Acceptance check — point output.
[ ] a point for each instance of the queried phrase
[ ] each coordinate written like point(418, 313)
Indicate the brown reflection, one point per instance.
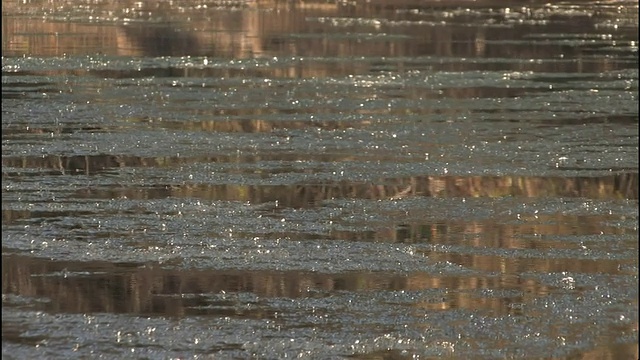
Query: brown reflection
point(274, 28)
point(610, 350)
point(492, 246)
point(434, 186)
point(623, 185)
point(250, 125)
point(81, 164)
point(139, 40)
point(78, 287)
point(308, 195)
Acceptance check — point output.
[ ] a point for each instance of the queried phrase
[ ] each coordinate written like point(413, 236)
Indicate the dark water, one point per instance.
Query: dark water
point(365, 180)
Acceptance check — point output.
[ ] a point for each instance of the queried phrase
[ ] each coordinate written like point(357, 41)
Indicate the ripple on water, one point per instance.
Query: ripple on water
point(319, 180)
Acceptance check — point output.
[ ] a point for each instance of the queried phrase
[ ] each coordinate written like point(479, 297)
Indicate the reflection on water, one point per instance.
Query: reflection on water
point(365, 179)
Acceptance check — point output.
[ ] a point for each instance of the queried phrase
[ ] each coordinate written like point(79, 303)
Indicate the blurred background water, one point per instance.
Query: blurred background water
point(320, 179)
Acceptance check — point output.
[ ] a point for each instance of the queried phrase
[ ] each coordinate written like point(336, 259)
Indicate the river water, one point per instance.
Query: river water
point(319, 179)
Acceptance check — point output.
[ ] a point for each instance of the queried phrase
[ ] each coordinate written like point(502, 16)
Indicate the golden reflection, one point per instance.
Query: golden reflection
point(616, 186)
point(269, 29)
point(90, 287)
point(512, 244)
point(102, 287)
point(79, 287)
point(621, 186)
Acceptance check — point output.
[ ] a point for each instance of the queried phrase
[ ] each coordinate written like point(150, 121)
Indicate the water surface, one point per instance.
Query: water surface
point(365, 180)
